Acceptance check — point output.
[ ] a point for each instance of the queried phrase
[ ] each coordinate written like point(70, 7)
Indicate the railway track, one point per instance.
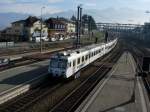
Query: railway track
point(138, 54)
point(55, 90)
point(72, 101)
point(32, 58)
point(29, 60)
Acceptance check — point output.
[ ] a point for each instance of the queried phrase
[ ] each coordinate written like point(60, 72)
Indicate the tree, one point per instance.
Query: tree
point(73, 18)
point(89, 20)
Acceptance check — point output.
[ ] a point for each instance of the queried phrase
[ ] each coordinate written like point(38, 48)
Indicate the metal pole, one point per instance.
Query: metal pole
point(78, 14)
point(41, 31)
point(80, 25)
point(89, 27)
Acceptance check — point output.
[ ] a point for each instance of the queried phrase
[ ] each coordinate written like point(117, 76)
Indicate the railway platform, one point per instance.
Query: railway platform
point(16, 81)
point(120, 91)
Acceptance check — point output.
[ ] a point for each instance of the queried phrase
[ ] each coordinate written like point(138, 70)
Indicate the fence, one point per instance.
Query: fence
point(6, 44)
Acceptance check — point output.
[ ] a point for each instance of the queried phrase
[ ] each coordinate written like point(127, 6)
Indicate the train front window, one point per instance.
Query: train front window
point(58, 63)
point(62, 63)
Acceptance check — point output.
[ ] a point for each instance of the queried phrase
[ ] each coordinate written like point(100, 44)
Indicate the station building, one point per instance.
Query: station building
point(60, 28)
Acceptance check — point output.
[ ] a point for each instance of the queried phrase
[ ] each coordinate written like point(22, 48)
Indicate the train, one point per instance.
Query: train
point(68, 63)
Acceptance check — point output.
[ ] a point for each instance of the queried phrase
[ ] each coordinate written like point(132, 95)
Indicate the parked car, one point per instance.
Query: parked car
point(53, 39)
point(37, 39)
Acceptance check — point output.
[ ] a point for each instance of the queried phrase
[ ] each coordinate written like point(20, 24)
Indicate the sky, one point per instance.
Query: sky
point(55, 6)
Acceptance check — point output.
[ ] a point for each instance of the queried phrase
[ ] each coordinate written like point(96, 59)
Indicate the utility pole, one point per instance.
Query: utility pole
point(79, 25)
point(41, 30)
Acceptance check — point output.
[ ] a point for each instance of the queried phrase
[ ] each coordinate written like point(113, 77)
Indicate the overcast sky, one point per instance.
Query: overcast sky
point(53, 6)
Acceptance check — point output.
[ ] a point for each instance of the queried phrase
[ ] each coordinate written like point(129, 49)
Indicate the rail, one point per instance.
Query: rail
point(71, 102)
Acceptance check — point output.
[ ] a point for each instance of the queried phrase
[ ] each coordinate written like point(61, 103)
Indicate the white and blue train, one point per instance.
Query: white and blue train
point(68, 63)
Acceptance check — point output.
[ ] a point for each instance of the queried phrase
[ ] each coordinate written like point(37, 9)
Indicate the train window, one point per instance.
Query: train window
point(74, 63)
point(86, 57)
point(78, 60)
point(82, 58)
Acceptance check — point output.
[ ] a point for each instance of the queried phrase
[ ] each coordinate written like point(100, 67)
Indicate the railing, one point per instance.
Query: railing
point(6, 44)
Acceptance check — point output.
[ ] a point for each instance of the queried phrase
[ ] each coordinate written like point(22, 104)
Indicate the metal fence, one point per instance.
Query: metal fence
point(6, 44)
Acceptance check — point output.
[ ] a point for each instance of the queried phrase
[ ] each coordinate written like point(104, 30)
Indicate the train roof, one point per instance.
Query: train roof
point(69, 53)
point(78, 51)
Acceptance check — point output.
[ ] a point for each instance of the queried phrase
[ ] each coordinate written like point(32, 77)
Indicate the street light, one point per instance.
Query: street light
point(41, 30)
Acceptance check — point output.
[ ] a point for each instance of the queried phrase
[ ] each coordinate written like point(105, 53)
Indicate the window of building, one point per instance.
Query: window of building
point(58, 26)
point(16, 31)
point(55, 26)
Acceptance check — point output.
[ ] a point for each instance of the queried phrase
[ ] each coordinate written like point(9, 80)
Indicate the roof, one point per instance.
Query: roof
point(4, 30)
point(59, 20)
point(77, 51)
point(28, 22)
point(70, 53)
point(54, 20)
point(20, 21)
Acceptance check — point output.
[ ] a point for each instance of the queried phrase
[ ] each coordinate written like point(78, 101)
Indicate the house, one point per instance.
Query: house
point(25, 30)
point(7, 35)
point(17, 30)
point(33, 28)
point(71, 28)
point(56, 28)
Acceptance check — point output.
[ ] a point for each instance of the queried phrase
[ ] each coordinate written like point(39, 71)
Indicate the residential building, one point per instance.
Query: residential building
point(17, 30)
point(56, 28)
point(24, 30)
point(33, 28)
point(7, 35)
point(71, 28)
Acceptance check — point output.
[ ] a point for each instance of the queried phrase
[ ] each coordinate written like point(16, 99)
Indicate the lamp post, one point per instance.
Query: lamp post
point(41, 30)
